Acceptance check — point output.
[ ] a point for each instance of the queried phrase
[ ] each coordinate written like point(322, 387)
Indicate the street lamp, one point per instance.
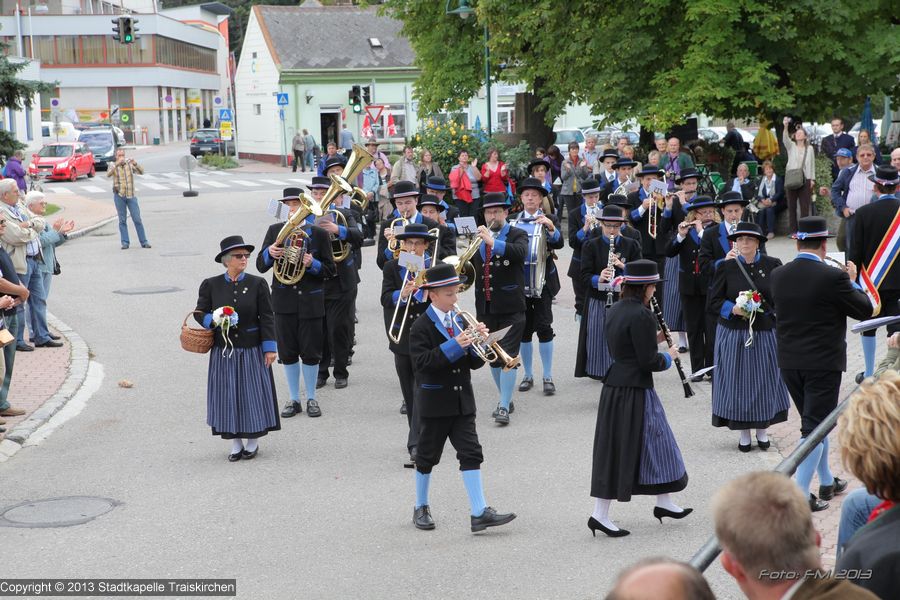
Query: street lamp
point(465, 11)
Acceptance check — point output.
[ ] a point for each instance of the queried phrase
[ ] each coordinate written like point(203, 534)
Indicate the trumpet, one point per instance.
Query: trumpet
point(395, 332)
point(592, 216)
point(394, 243)
point(489, 353)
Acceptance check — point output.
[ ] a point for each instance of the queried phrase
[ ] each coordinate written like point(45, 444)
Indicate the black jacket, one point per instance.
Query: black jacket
point(391, 282)
point(666, 223)
point(308, 296)
point(249, 297)
point(577, 238)
point(8, 273)
point(551, 274)
point(871, 223)
point(631, 337)
point(443, 371)
point(448, 245)
point(728, 282)
point(692, 279)
point(507, 272)
point(714, 245)
point(812, 301)
point(874, 547)
point(595, 257)
point(346, 276)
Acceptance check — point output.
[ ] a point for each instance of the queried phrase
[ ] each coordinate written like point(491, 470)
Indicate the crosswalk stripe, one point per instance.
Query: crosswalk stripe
point(60, 190)
point(274, 181)
point(245, 183)
point(153, 186)
point(182, 184)
point(92, 188)
point(215, 184)
point(220, 173)
point(304, 181)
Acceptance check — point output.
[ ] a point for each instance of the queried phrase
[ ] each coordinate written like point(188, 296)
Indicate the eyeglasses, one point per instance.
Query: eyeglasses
point(241, 255)
point(2, 221)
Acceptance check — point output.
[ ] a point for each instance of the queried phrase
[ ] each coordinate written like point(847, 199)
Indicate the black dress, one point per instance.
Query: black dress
point(634, 449)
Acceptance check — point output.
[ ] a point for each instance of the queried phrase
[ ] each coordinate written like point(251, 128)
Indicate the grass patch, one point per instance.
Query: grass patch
point(218, 161)
point(51, 208)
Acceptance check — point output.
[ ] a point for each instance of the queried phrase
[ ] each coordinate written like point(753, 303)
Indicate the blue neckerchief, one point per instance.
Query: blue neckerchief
point(500, 237)
point(240, 277)
point(642, 194)
point(755, 258)
point(723, 237)
point(886, 197)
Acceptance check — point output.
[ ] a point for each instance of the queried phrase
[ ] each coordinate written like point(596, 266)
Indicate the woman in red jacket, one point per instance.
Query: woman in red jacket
point(494, 174)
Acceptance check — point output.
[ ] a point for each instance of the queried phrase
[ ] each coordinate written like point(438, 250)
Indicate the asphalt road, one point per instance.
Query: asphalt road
point(325, 509)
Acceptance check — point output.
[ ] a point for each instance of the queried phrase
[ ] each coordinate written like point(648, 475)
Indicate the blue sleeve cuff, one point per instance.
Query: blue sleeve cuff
point(636, 215)
point(316, 267)
point(725, 312)
point(207, 321)
point(388, 254)
point(499, 247)
point(452, 350)
point(555, 235)
point(667, 213)
point(667, 358)
point(395, 297)
point(266, 258)
point(269, 346)
point(342, 232)
point(595, 280)
point(580, 235)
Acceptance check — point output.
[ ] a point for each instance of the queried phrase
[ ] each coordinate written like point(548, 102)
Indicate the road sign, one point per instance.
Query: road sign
point(374, 111)
point(225, 114)
point(282, 99)
point(281, 114)
point(187, 163)
point(225, 130)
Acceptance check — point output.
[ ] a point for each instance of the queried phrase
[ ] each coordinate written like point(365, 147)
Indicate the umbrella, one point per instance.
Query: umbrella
point(765, 145)
point(866, 122)
point(481, 134)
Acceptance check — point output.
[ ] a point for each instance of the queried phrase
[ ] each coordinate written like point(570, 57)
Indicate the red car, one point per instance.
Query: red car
point(65, 160)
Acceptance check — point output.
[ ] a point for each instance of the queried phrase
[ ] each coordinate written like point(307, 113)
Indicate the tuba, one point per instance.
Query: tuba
point(487, 352)
point(359, 198)
point(340, 249)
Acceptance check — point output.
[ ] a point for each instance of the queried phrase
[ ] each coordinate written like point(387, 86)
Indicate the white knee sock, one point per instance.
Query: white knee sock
point(236, 445)
point(745, 437)
point(665, 501)
point(251, 445)
point(762, 435)
point(601, 513)
point(682, 339)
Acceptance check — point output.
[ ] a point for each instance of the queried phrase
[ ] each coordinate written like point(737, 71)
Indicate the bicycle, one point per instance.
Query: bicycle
point(35, 182)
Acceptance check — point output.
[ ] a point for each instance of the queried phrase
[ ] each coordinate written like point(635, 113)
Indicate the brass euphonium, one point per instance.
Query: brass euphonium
point(359, 198)
point(289, 269)
point(340, 249)
point(463, 263)
point(393, 243)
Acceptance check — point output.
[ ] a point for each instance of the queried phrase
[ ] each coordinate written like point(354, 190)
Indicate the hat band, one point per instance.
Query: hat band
point(591, 191)
point(641, 278)
point(444, 282)
point(406, 194)
point(802, 235)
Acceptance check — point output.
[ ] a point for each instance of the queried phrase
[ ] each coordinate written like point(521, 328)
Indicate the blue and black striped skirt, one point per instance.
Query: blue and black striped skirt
point(748, 392)
point(593, 358)
point(240, 396)
point(672, 296)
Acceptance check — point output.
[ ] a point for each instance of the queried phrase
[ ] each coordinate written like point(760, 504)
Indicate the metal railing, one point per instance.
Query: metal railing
point(705, 556)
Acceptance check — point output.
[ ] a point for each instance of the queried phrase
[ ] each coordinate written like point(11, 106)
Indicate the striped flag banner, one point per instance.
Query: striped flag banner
point(873, 275)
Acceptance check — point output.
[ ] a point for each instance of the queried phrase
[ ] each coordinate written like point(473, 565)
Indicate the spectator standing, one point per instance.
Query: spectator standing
point(802, 161)
point(15, 171)
point(895, 158)
point(36, 315)
point(844, 158)
point(372, 148)
point(735, 142)
point(572, 175)
point(865, 138)
point(406, 168)
point(673, 161)
point(834, 142)
point(853, 189)
point(330, 151)
point(494, 173)
point(590, 154)
point(346, 140)
point(298, 145)
point(428, 168)
point(464, 178)
point(770, 199)
point(555, 158)
point(309, 145)
point(384, 196)
point(122, 174)
point(9, 285)
point(621, 144)
point(659, 142)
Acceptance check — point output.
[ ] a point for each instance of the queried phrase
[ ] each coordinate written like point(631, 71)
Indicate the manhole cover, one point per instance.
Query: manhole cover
point(139, 291)
point(181, 254)
point(57, 512)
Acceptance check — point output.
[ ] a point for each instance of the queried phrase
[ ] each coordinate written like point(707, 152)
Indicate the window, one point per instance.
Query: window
point(142, 50)
point(181, 54)
point(398, 112)
point(506, 117)
point(116, 53)
point(67, 50)
point(92, 50)
point(29, 133)
point(43, 49)
point(257, 109)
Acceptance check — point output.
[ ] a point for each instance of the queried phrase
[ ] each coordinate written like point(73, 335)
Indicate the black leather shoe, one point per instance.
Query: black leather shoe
point(350, 361)
point(422, 518)
point(321, 381)
point(49, 344)
point(312, 409)
point(697, 378)
point(403, 408)
point(594, 525)
point(549, 387)
point(411, 462)
point(249, 455)
point(682, 349)
point(368, 242)
point(340, 383)
point(659, 512)
point(763, 445)
point(53, 336)
point(146, 246)
point(827, 492)
point(512, 407)
point(24, 348)
point(490, 518)
point(815, 504)
point(527, 384)
point(235, 457)
point(502, 416)
point(859, 377)
point(744, 448)
point(291, 408)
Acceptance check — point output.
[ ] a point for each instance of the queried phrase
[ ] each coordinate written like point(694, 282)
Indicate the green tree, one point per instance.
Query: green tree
point(660, 61)
point(15, 93)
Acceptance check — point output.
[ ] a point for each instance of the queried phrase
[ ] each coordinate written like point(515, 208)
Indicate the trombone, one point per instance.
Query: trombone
point(489, 353)
point(658, 202)
point(418, 278)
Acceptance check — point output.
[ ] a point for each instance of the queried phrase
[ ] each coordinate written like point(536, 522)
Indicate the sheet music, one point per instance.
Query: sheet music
point(411, 262)
point(465, 225)
point(658, 186)
point(870, 324)
point(496, 336)
point(277, 210)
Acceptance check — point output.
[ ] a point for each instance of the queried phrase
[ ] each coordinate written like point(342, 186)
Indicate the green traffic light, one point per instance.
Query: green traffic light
point(128, 39)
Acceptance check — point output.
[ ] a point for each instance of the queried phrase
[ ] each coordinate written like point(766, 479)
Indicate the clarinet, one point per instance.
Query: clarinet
point(688, 392)
point(609, 263)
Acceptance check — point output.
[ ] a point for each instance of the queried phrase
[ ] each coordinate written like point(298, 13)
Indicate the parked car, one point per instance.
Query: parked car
point(205, 141)
point(103, 143)
point(633, 138)
point(709, 135)
point(565, 136)
point(854, 131)
point(65, 132)
point(64, 160)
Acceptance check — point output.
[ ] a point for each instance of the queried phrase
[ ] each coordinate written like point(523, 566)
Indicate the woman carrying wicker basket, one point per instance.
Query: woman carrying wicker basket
point(240, 398)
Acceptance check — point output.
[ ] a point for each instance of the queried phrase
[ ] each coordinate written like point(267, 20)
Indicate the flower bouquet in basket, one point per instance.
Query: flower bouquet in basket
point(225, 317)
point(749, 302)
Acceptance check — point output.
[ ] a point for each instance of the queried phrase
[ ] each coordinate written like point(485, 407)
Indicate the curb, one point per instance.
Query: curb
point(83, 232)
point(78, 368)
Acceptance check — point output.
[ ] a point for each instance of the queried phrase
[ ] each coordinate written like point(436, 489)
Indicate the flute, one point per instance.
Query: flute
point(688, 392)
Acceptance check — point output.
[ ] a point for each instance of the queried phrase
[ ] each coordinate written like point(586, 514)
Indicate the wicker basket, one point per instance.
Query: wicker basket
point(196, 340)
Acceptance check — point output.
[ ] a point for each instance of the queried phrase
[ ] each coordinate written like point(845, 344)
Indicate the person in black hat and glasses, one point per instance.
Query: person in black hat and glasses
point(299, 308)
point(441, 347)
point(500, 289)
point(598, 278)
point(538, 302)
point(583, 223)
point(812, 301)
point(240, 396)
point(634, 449)
point(405, 199)
point(398, 286)
point(872, 235)
point(538, 169)
point(748, 392)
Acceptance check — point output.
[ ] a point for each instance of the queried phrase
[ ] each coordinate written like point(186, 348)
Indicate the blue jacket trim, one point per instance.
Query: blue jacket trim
point(269, 346)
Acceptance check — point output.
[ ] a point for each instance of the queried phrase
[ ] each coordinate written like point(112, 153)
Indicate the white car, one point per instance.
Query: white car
point(65, 132)
point(564, 136)
point(854, 131)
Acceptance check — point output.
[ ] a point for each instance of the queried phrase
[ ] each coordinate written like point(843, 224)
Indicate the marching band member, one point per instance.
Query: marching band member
point(748, 392)
point(405, 198)
point(538, 306)
point(340, 289)
point(437, 187)
point(398, 287)
point(593, 359)
point(500, 289)
point(688, 179)
point(693, 282)
point(812, 301)
point(604, 169)
point(634, 449)
point(624, 175)
point(624, 206)
point(445, 401)
point(580, 228)
point(539, 168)
point(432, 208)
point(299, 308)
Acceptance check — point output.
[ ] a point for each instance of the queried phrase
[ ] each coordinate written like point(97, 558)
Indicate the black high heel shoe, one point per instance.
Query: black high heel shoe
point(659, 512)
point(763, 445)
point(594, 525)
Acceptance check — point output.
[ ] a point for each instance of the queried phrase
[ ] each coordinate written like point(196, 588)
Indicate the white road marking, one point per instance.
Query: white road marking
point(274, 181)
point(153, 186)
point(93, 188)
point(59, 190)
point(245, 183)
point(215, 184)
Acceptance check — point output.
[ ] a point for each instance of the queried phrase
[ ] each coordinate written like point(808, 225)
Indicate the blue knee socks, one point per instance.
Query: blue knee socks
point(868, 344)
point(806, 469)
point(526, 352)
point(422, 481)
point(507, 386)
point(546, 350)
point(825, 476)
point(310, 375)
point(495, 373)
point(472, 479)
point(292, 372)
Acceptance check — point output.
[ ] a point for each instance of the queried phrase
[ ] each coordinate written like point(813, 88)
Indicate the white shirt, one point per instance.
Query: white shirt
point(441, 315)
point(861, 189)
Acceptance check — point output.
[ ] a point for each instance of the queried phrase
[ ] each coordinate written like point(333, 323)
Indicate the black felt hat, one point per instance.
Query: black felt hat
point(430, 200)
point(538, 161)
point(319, 183)
point(810, 228)
point(290, 193)
point(492, 199)
point(689, 173)
point(611, 212)
point(732, 198)
point(531, 183)
point(642, 272)
point(749, 229)
point(230, 243)
point(415, 230)
point(590, 186)
point(334, 161)
point(442, 275)
point(885, 175)
point(700, 202)
point(436, 183)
